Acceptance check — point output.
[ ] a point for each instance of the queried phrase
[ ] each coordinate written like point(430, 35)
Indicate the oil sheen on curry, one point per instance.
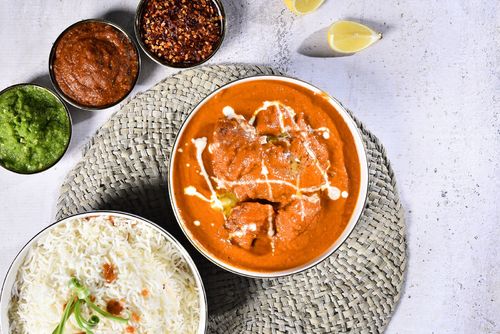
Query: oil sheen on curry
point(266, 175)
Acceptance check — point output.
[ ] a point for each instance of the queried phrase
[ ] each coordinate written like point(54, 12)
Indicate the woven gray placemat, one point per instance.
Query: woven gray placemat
point(124, 167)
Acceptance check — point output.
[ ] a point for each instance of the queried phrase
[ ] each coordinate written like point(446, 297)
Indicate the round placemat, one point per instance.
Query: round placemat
point(355, 290)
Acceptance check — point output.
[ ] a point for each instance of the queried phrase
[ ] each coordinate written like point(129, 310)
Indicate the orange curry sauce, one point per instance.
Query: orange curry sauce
point(288, 166)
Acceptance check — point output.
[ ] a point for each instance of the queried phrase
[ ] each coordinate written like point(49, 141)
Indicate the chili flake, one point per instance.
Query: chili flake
point(181, 32)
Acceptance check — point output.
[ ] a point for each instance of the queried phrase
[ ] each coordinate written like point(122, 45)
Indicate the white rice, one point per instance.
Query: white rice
point(144, 259)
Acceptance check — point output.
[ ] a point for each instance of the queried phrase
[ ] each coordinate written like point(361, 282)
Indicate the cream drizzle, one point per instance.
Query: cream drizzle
point(191, 191)
point(324, 130)
point(201, 144)
point(299, 196)
point(252, 227)
point(223, 184)
point(314, 198)
point(333, 192)
point(281, 117)
point(212, 147)
point(302, 209)
point(270, 227)
point(229, 113)
point(265, 172)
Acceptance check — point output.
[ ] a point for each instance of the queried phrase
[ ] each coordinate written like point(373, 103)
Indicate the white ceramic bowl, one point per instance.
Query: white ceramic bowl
point(360, 201)
point(10, 278)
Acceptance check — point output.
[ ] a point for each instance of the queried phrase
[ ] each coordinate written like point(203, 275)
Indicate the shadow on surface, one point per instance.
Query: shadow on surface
point(42, 80)
point(316, 45)
point(383, 27)
point(77, 115)
point(125, 19)
point(225, 291)
point(122, 17)
point(236, 20)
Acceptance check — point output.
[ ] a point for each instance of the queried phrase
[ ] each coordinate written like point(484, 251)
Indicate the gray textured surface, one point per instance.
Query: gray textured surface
point(354, 290)
point(430, 90)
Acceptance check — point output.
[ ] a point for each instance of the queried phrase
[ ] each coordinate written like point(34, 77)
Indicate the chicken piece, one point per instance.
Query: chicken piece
point(249, 226)
point(239, 155)
point(249, 189)
point(235, 152)
point(271, 121)
point(274, 165)
point(296, 217)
point(310, 159)
point(277, 160)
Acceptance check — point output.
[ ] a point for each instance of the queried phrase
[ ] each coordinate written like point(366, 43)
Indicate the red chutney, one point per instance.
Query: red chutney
point(95, 64)
point(282, 175)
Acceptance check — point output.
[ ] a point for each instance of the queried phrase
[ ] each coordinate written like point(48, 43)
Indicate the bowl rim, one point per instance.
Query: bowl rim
point(158, 60)
point(355, 215)
point(52, 55)
point(202, 296)
point(60, 100)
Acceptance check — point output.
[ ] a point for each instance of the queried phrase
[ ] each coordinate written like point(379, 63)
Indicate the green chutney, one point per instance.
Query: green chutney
point(35, 129)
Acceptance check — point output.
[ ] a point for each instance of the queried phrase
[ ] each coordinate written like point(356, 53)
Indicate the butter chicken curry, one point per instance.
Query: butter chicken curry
point(266, 175)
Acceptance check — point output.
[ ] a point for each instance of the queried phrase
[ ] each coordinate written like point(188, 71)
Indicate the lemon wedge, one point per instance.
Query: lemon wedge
point(303, 6)
point(351, 37)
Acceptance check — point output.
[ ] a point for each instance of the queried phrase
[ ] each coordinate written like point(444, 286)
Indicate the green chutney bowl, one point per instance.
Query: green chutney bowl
point(36, 128)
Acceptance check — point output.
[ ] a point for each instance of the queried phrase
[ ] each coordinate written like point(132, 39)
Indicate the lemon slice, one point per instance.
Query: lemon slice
point(351, 37)
point(303, 6)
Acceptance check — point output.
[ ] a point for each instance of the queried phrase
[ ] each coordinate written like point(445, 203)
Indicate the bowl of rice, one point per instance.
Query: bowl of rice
point(103, 272)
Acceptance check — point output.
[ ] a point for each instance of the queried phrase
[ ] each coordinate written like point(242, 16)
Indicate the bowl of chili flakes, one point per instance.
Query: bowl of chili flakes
point(180, 33)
